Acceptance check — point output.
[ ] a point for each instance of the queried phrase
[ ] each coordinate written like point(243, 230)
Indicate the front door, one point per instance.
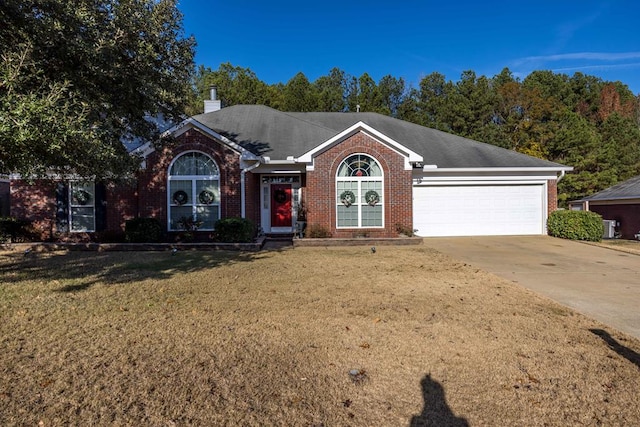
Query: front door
point(281, 205)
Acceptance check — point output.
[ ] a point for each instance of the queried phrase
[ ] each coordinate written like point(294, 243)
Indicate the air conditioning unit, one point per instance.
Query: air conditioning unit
point(609, 229)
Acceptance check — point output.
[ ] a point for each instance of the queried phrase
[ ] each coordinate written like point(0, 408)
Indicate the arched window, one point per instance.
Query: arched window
point(194, 192)
point(359, 198)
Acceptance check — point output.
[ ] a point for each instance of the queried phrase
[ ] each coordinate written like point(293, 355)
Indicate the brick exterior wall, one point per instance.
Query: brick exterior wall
point(145, 198)
point(321, 188)
point(627, 215)
point(252, 201)
point(122, 205)
point(552, 196)
point(37, 202)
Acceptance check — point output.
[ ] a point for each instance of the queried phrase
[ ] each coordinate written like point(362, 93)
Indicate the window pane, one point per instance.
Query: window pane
point(344, 169)
point(82, 193)
point(374, 169)
point(371, 186)
point(194, 164)
point(343, 186)
point(359, 165)
point(208, 215)
point(180, 192)
point(347, 216)
point(372, 216)
point(82, 219)
point(205, 189)
point(176, 213)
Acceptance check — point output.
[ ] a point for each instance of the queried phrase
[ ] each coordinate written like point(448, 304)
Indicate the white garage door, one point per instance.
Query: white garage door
point(478, 210)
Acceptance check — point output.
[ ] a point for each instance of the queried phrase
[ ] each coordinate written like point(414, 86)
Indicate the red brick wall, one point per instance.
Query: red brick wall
point(122, 205)
point(252, 194)
point(35, 202)
point(552, 196)
point(627, 215)
point(321, 188)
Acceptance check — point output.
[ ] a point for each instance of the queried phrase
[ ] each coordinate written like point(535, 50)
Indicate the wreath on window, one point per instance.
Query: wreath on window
point(81, 197)
point(372, 197)
point(280, 196)
point(206, 197)
point(180, 197)
point(347, 198)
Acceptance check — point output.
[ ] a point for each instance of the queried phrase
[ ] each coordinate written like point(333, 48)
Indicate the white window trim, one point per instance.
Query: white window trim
point(92, 205)
point(193, 196)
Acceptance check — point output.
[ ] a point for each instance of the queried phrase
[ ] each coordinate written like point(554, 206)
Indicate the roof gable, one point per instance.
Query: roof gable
point(410, 156)
point(188, 124)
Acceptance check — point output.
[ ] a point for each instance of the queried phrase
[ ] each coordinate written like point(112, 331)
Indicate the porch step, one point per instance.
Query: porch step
point(280, 237)
point(278, 241)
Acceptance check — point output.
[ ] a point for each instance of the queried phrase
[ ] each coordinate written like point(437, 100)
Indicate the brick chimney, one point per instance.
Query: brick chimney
point(212, 104)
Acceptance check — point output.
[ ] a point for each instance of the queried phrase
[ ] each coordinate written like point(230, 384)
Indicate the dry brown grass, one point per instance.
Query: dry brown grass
point(630, 246)
point(269, 338)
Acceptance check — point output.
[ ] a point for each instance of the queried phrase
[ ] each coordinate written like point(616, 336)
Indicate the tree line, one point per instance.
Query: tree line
point(579, 120)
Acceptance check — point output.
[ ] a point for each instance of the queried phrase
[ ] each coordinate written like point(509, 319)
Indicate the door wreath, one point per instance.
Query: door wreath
point(371, 197)
point(280, 196)
point(206, 197)
point(347, 198)
point(180, 197)
point(81, 197)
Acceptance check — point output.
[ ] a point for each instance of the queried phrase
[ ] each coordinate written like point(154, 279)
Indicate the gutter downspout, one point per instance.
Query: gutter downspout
point(243, 190)
point(562, 174)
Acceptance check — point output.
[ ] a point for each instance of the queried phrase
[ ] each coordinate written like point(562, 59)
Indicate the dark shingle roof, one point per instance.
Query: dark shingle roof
point(277, 134)
point(629, 189)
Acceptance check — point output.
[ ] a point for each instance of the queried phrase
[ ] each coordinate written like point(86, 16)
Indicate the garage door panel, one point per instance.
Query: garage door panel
point(477, 210)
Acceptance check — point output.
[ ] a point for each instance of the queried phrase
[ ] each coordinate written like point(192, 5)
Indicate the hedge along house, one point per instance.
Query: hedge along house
point(351, 174)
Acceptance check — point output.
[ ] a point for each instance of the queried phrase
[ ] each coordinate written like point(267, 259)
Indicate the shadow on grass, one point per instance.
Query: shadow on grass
point(614, 345)
point(436, 411)
point(84, 269)
point(75, 288)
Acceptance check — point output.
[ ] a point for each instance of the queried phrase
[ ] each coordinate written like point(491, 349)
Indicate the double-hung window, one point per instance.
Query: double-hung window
point(82, 206)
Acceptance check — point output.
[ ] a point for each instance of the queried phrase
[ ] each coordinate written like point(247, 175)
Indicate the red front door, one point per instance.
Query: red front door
point(281, 205)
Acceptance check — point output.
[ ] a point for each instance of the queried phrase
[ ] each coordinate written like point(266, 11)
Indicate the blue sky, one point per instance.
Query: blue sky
point(411, 39)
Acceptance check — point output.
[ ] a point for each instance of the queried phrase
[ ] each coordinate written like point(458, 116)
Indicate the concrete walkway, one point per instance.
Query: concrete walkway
point(601, 283)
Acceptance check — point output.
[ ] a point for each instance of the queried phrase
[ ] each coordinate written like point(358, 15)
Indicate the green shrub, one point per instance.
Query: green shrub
point(315, 231)
point(13, 230)
point(143, 230)
point(235, 230)
point(576, 225)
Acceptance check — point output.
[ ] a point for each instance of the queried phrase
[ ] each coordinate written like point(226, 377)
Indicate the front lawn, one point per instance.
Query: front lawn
point(305, 337)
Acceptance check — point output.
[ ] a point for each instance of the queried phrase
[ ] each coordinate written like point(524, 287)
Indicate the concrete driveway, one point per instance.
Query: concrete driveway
point(601, 283)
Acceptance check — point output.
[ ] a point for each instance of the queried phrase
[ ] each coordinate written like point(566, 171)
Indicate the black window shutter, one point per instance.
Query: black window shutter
point(101, 207)
point(62, 207)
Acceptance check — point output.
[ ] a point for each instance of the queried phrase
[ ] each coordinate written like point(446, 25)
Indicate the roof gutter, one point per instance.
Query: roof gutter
point(435, 169)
